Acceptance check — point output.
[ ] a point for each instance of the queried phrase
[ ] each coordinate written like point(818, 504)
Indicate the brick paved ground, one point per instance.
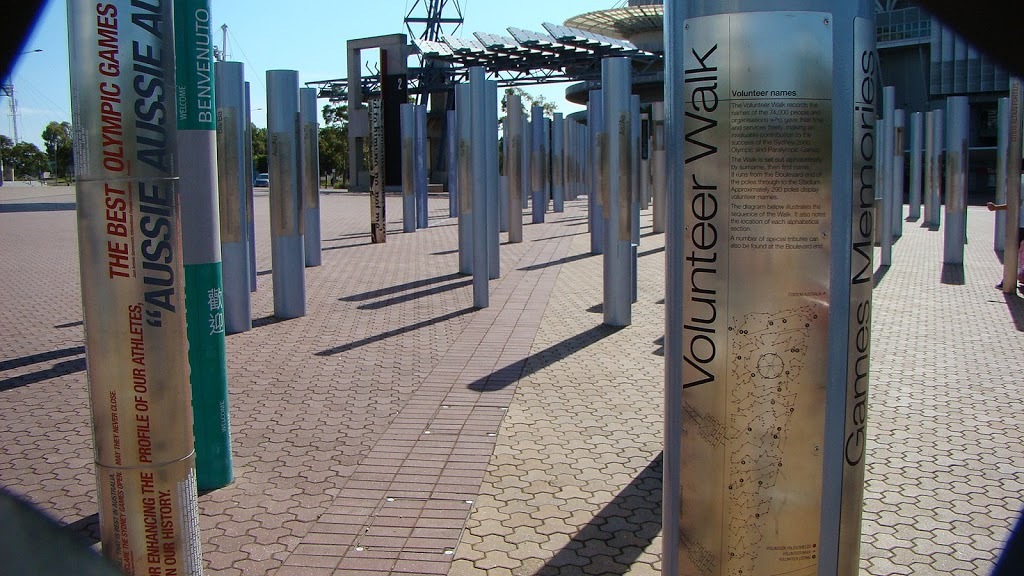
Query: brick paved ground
point(369, 432)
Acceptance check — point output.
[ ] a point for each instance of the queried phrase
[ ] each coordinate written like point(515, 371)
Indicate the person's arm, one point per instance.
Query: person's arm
point(994, 207)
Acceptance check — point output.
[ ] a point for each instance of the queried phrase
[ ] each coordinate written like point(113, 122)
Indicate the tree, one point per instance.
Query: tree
point(529, 101)
point(334, 140)
point(57, 137)
point(25, 158)
point(259, 149)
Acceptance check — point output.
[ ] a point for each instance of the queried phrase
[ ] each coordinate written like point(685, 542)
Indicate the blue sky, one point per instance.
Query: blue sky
point(304, 35)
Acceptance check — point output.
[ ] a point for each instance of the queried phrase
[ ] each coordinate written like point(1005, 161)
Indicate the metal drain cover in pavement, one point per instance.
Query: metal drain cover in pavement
point(425, 525)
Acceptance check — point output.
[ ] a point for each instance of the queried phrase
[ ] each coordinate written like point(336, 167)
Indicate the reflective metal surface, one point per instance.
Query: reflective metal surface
point(378, 205)
point(757, 97)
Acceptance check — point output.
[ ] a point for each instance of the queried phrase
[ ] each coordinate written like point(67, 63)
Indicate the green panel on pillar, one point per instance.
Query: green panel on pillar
point(193, 48)
point(204, 311)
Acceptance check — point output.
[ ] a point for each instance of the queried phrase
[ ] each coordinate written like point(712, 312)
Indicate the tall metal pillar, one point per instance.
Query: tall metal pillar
point(420, 167)
point(645, 164)
point(916, 151)
point(957, 134)
point(200, 232)
point(558, 162)
point(933, 201)
point(231, 180)
point(898, 171)
point(250, 200)
point(1002, 155)
point(514, 166)
point(546, 163)
point(768, 296)
point(527, 176)
point(884, 194)
point(453, 172)
point(537, 185)
point(1013, 188)
point(409, 200)
point(477, 181)
point(634, 195)
point(464, 165)
point(132, 283)
point(595, 198)
point(286, 226)
point(888, 127)
point(310, 171)
point(929, 164)
point(658, 161)
point(490, 146)
point(617, 191)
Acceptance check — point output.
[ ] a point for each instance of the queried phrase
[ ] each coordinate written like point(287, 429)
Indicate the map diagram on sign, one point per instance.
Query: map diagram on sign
point(767, 356)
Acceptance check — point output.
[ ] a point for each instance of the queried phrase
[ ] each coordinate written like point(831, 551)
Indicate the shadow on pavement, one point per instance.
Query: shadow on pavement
point(38, 207)
point(501, 378)
point(558, 262)
point(414, 295)
point(395, 332)
point(88, 528)
point(1016, 307)
point(41, 357)
point(953, 274)
point(59, 369)
point(399, 288)
point(650, 252)
point(627, 525)
point(876, 278)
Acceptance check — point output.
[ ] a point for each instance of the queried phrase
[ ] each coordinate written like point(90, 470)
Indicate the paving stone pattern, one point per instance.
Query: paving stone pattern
point(395, 430)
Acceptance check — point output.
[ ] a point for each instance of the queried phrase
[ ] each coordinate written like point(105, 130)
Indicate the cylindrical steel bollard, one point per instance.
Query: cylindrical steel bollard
point(537, 165)
point(595, 199)
point(514, 166)
point(132, 283)
point(1002, 155)
point(658, 162)
point(309, 169)
point(453, 178)
point(955, 226)
point(1013, 190)
point(250, 200)
point(617, 192)
point(916, 151)
point(232, 186)
point(527, 176)
point(558, 162)
point(898, 171)
point(883, 209)
point(409, 197)
point(464, 166)
point(286, 226)
point(929, 168)
point(420, 167)
point(378, 173)
point(478, 183)
point(490, 121)
point(933, 207)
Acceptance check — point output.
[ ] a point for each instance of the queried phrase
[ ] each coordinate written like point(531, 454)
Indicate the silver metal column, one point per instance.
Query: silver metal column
point(464, 166)
point(595, 199)
point(1002, 155)
point(420, 167)
point(645, 163)
point(477, 182)
point(407, 115)
point(232, 175)
point(933, 198)
point(537, 185)
point(527, 177)
point(658, 162)
point(898, 171)
point(310, 171)
point(546, 163)
point(558, 162)
point(888, 125)
point(378, 172)
point(250, 201)
point(929, 166)
point(916, 151)
point(883, 209)
point(617, 192)
point(514, 166)
point(1013, 189)
point(490, 146)
point(286, 224)
point(634, 194)
point(957, 134)
point(768, 296)
point(453, 179)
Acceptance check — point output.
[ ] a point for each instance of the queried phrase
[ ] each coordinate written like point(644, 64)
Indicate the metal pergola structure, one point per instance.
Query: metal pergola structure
point(521, 58)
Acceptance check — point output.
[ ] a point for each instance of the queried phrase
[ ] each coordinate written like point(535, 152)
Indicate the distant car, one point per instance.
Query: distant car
point(262, 180)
